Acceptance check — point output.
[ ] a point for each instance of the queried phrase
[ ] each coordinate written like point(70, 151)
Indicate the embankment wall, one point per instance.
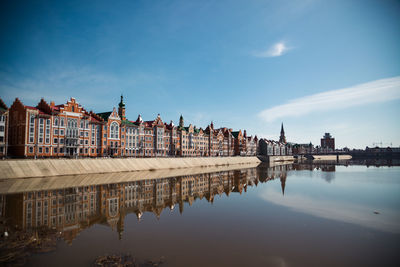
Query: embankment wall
point(54, 167)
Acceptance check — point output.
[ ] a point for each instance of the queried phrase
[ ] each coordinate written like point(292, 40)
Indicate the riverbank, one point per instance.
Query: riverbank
point(13, 186)
point(331, 157)
point(29, 168)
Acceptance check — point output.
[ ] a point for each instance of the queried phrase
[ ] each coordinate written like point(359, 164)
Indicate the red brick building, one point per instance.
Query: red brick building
point(69, 130)
point(327, 143)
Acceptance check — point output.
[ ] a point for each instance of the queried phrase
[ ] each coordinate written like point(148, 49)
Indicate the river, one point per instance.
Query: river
point(303, 214)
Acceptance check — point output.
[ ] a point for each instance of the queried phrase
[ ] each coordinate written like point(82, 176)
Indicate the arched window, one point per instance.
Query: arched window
point(114, 130)
point(56, 121)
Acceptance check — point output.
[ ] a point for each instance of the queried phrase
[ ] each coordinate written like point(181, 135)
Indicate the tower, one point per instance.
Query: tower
point(282, 138)
point(181, 122)
point(121, 109)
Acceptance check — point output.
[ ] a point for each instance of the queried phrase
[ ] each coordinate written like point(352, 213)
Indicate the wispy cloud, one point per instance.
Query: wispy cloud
point(275, 50)
point(371, 92)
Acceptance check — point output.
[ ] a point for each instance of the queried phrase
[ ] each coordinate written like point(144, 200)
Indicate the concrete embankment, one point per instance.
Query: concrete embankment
point(12, 186)
point(27, 168)
point(272, 159)
point(331, 157)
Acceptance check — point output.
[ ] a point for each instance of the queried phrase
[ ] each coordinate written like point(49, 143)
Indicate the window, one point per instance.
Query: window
point(61, 140)
point(41, 130)
point(47, 131)
point(1, 128)
point(55, 131)
point(55, 141)
point(47, 150)
point(62, 122)
point(40, 149)
point(62, 132)
point(114, 130)
point(56, 121)
point(55, 150)
point(31, 149)
point(32, 129)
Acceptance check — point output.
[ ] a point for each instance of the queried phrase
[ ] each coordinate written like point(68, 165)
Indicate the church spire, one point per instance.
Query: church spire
point(282, 138)
point(181, 122)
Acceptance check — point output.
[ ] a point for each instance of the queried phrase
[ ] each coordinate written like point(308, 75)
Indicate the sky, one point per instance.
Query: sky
point(315, 66)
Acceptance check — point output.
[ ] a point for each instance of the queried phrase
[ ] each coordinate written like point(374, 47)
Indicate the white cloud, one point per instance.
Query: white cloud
point(276, 50)
point(371, 92)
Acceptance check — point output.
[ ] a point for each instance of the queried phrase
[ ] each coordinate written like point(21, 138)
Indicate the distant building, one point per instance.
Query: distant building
point(328, 142)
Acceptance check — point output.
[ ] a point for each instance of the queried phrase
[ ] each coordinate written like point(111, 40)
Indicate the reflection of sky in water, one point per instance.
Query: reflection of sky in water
point(351, 195)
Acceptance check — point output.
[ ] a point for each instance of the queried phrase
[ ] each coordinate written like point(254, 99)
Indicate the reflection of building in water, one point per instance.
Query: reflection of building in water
point(73, 209)
point(327, 169)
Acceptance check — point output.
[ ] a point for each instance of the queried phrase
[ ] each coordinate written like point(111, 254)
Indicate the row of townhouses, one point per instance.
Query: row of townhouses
point(49, 130)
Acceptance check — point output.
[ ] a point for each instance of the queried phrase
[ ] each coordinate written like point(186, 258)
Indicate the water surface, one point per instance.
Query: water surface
point(290, 215)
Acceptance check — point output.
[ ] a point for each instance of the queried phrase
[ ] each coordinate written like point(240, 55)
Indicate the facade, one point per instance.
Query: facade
point(274, 148)
point(327, 143)
point(299, 149)
point(55, 131)
point(69, 130)
point(3, 129)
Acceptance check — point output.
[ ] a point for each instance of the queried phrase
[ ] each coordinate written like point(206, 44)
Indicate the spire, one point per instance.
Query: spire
point(121, 108)
point(121, 103)
point(282, 138)
point(181, 122)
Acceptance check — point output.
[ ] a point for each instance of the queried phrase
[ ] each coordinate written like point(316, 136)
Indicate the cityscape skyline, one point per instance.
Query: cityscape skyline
point(317, 67)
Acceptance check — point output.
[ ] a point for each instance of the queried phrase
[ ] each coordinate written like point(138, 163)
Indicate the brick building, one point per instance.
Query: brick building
point(69, 130)
point(327, 143)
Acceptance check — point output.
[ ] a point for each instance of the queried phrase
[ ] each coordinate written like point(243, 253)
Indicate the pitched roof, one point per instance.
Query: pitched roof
point(3, 105)
point(235, 134)
point(104, 115)
point(128, 122)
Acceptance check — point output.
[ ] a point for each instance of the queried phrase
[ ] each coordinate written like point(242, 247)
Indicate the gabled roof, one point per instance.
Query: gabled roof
point(139, 119)
point(3, 106)
point(235, 134)
point(104, 115)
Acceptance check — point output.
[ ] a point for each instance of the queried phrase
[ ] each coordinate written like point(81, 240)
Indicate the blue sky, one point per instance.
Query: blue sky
point(242, 64)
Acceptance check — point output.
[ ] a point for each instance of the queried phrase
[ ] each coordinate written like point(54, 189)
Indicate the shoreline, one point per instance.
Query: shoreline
point(16, 169)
